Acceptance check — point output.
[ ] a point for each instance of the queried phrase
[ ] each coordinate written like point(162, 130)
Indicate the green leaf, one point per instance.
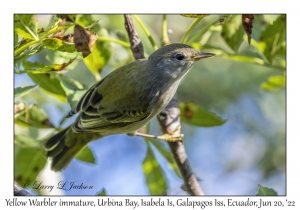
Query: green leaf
point(52, 43)
point(53, 22)
point(100, 55)
point(247, 59)
point(269, 18)
point(67, 47)
point(93, 26)
point(46, 81)
point(251, 59)
point(44, 69)
point(69, 83)
point(281, 51)
point(265, 191)
point(87, 21)
point(21, 42)
point(67, 17)
point(224, 18)
point(102, 192)
point(29, 51)
point(252, 51)
point(49, 84)
point(86, 155)
point(73, 90)
point(28, 163)
point(26, 26)
point(33, 116)
point(165, 152)
point(233, 32)
point(30, 65)
point(26, 141)
point(279, 64)
point(194, 15)
point(16, 39)
point(204, 32)
point(59, 45)
point(279, 61)
point(53, 26)
point(274, 82)
point(274, 38)
point(56, 29)
point(196, 115)
point(154, 174)
point(19, 91)
point(61, 57)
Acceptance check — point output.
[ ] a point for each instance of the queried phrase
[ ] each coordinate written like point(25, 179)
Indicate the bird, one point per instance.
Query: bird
point(123, 101)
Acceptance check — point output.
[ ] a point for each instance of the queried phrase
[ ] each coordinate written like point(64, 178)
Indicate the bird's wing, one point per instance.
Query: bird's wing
point(91, 120)
point(107, 105)
point(85, 99)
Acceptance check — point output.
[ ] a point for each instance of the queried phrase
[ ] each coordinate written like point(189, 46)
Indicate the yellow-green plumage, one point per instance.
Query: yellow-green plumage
point(124, 100)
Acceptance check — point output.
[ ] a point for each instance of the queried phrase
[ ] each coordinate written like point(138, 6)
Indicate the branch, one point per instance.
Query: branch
point(135, 42)
point(169, 120)
point(19, 191)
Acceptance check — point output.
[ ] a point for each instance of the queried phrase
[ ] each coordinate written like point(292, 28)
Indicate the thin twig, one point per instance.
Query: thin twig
point(169, 120)
point(19, 191)
point(148, 34)
point(184, 39)
point(164, 32)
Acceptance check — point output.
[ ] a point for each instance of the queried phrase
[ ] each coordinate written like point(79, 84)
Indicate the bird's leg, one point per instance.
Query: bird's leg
point(169, 137)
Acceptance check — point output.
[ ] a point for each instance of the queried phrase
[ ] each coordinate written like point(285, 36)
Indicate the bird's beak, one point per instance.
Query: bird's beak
point(203, 55)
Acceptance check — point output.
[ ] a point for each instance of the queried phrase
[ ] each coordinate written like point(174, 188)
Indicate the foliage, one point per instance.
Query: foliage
point(102, 193)
point(55, 78)
point(154, 174)
point(261, 190)
point(19, 91)
point(86, 155)
point(197, 115)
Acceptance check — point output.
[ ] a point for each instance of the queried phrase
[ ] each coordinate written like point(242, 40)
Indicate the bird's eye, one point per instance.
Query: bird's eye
point(179, 56)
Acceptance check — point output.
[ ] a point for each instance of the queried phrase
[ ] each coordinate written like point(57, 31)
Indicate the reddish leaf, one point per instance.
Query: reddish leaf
point(247, 20)
point(84, 40)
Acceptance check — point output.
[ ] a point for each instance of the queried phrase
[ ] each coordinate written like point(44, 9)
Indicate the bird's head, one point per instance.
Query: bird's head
point(176, 59)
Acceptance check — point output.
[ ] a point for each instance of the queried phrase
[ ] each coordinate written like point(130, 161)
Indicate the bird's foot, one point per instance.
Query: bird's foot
point(169, 137)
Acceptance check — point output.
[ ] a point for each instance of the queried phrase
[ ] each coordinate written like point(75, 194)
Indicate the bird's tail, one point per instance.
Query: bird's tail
point(60, 151)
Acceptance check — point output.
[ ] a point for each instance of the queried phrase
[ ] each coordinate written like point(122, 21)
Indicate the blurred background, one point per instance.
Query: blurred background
point(241, 85)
